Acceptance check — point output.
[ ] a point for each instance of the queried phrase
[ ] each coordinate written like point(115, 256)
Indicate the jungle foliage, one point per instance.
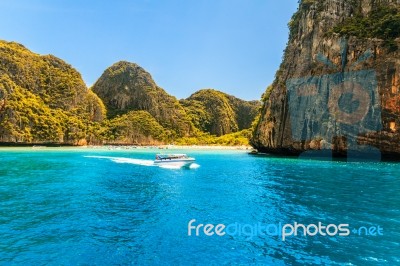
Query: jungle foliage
point(383, 22)
point(44, 100)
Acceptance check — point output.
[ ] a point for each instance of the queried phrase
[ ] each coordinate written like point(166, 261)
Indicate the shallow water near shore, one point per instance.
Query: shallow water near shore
point(114, 207)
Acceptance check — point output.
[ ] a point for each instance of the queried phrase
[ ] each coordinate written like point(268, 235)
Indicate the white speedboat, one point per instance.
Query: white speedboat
point(181, 160)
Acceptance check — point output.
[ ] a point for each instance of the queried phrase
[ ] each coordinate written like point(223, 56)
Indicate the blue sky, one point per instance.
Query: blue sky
point(234, 46)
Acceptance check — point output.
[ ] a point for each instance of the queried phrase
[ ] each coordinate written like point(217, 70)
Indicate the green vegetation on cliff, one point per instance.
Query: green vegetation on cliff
point(232, 139)
point(43, 99)
point(382, 23)
point(125, 87)
point(134, 127)
point(218, 113)
point(201, 119)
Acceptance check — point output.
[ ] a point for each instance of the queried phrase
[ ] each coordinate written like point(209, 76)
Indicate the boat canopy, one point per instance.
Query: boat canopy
point(170, 156)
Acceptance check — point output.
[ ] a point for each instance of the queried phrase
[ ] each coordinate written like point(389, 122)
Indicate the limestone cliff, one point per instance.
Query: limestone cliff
point(339, 80)
point(125, 87)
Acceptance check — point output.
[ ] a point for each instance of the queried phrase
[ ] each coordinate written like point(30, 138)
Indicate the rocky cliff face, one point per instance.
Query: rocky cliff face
point(125, 87)
point(338, 86)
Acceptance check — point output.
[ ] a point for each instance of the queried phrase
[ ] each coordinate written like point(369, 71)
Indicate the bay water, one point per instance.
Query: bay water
point(86, 206)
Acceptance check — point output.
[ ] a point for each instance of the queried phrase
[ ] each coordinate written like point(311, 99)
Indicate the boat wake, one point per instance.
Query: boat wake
point(143, 162)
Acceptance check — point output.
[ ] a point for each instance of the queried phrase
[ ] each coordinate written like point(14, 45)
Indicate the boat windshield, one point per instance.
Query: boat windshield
point(171, 156)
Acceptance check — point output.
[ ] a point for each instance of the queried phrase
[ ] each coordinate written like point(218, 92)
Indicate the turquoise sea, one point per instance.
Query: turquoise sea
point(114, 207)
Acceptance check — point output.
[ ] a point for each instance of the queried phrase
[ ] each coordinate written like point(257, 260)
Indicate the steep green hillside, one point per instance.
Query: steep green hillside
point(125, 87)
point(245, 111)
point(134, 127)
point(218, 113)
point(43, 99)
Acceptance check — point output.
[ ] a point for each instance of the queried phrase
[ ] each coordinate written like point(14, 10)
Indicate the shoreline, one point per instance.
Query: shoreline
point(127, 147)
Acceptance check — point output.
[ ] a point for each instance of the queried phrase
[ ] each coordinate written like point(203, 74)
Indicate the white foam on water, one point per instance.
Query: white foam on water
point(133, 161)
point(144, 162)
point(178, 166)
point(125, 160)
point(194, 166)
point(170, 166)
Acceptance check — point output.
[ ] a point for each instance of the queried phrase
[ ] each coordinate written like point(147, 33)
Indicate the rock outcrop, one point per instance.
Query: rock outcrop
point(125, 87)
point(338, 86)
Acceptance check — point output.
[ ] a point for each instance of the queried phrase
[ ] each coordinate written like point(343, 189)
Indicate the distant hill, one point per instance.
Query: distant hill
point(125, 87)
point(43, 99)
point(218, 113)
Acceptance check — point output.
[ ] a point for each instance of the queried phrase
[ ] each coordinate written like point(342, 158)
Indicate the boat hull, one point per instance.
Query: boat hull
point(175, 162)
